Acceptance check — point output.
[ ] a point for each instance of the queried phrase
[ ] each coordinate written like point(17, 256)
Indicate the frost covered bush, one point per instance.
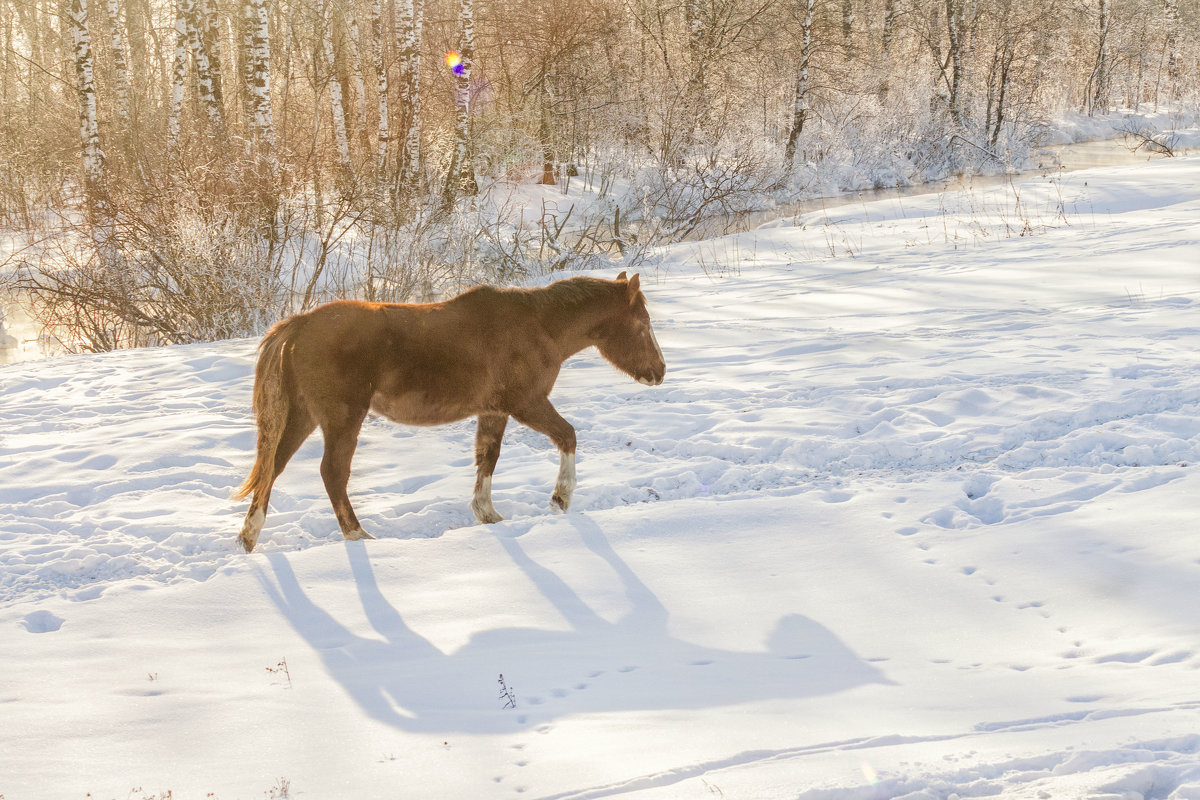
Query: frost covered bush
point(676, 196)
point(147, 276)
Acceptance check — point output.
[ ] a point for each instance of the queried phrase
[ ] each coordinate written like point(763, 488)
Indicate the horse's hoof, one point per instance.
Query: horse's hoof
point(357, 534)
point(485, 514)
point(559, 504)
point(251, 528)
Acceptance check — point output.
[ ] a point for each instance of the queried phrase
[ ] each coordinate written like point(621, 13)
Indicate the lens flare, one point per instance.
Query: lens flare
point(455, 63)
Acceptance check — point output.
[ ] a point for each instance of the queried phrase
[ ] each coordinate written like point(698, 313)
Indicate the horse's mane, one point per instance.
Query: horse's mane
point(566, 295)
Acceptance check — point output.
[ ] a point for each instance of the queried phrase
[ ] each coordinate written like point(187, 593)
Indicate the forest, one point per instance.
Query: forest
point(189, 171)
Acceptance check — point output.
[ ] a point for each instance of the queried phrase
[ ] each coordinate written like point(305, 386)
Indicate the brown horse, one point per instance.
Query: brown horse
point(489, 353)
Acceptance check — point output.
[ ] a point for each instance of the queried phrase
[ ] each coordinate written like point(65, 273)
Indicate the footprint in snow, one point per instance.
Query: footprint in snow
point(42, 622)
point(1125, 658)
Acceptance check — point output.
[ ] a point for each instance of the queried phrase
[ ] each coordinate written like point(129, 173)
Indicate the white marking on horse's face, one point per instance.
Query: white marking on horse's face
point(657, 349)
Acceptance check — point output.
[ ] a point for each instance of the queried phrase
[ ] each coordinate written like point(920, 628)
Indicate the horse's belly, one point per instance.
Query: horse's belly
point(418, 408)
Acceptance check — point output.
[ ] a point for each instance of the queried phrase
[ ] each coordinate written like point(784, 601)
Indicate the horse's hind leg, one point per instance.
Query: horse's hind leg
point(341, 439)
point(299, 426)
point(488, 435)
point(543, 418)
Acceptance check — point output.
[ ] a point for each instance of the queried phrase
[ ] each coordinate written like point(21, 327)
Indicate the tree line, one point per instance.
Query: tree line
point(268, 119)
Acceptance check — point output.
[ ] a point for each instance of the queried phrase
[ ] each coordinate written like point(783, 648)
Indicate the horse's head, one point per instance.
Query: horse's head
point(626, 339)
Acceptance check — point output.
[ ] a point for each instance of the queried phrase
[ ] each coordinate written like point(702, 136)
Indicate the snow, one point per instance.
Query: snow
point(913, 516)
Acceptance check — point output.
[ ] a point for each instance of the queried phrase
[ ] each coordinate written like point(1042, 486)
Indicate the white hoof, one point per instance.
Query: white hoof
point(251, 528)
point(485, 513)
point(564, 487)
point(481, 503)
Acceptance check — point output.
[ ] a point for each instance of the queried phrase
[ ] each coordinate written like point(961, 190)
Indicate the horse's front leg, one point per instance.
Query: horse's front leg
point(543, 418)
point(488, 436)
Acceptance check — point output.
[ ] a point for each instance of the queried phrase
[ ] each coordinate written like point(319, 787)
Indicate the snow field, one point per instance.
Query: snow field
point(919, 522)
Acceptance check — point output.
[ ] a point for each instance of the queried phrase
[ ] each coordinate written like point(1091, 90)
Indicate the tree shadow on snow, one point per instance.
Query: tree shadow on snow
point(633, 664)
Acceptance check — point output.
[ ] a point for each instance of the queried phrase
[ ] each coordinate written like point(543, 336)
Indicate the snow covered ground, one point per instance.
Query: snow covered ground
point(915, 514)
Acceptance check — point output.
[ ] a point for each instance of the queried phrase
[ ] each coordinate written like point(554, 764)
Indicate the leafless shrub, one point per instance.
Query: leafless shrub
point(1140, 136)
point(677, 198)
point(151, 275)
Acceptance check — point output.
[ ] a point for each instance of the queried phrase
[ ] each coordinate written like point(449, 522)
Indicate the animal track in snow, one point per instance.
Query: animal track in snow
point(42, 622)
point(1171, 658)
point(1133, 657)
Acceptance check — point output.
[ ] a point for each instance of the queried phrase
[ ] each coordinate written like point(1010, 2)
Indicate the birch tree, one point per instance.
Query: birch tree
point(381, 89)
point(6, 42)
point(461, 178)
point(336, 105)
point(178, 78)
point(256, 45)
point(120, 50)
point(695, 102)
point(887, 38)
point(890, 14)
point(800, 105)
point(356, 74)
point(85, 90)
point(848, 28)
point(1096, 89)
point(410, 21)
point(1171, 10)
point(209, 25)
point(956, 29)
point(206, 85)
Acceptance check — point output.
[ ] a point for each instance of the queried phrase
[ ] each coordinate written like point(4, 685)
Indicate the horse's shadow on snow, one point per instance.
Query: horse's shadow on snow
point(596, 666)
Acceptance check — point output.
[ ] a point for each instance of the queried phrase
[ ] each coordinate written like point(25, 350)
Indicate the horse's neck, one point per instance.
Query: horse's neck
point(573, 324)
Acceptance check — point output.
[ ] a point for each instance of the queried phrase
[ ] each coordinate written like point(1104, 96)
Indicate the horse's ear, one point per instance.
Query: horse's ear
point(622, 277)
point(635, 284)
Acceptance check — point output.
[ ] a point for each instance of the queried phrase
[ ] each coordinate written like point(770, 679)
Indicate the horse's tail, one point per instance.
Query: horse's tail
point(271, 404)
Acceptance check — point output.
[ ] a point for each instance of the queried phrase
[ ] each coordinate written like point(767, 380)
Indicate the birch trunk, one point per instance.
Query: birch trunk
point(381, 88)
point(120, 52)
point(6, 42)
point(695, 101)
point(1096, 90)
point(356, 75)
point(178, 79)
point(1172, 44)
point(337, 107)
point(889, 27)
point(257, 70)
point(461, 180)
point(889, 34)
point(210, 30)
point(957, 34)
point(800, 104)
point(410, 21)
point(848, 27)
point(85, 90)
point(205, 85)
